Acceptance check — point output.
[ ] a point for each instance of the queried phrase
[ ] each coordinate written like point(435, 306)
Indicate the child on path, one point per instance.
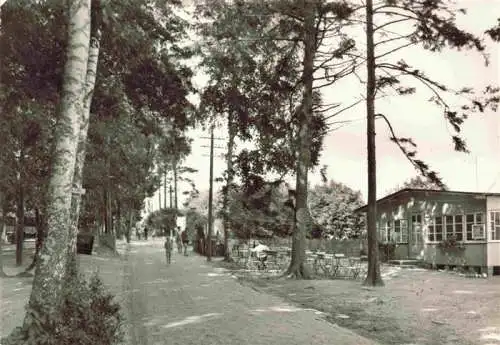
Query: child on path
point(168, 249)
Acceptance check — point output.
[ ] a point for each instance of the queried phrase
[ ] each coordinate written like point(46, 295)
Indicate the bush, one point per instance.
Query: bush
point(386, 251)
point(87, 316)
point(451, 245)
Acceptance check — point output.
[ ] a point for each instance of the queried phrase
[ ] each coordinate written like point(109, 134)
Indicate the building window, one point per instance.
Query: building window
point(381, 232)
point(495, 225)
point(400, 231)
point(454, 227)
point(384, 231)
point(416, 220)
point(471, 222)
point(389, 230)
point(416, 225)
point(436, 229)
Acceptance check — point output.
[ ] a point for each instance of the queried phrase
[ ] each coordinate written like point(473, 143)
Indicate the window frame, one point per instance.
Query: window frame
point(401, 236)
point(475, 222)
point(492, 228)
point(478, 219)
point(454, 226)
point(382, 231)
point(388, 230)
point(432, 229)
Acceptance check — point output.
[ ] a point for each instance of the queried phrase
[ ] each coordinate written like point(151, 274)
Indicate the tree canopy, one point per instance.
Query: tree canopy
point(139, 112)
point(332, 205)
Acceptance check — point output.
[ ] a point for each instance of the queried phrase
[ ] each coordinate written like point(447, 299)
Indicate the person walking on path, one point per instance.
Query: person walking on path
point(178, 239)
point(168, 249)
point(185, 241)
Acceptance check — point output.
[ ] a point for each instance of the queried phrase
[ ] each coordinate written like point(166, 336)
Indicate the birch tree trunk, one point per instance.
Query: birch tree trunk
point(51, 266)
point(373, 277)
point(90, 79)
point(297, 268)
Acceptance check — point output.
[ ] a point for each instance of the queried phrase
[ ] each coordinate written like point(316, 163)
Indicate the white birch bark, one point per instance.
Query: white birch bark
point(50, 268)
point(90, 80)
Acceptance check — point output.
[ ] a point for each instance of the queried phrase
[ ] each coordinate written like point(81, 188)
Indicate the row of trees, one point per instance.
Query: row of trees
point(94, 96)
point(270, 212)
point(139, 109)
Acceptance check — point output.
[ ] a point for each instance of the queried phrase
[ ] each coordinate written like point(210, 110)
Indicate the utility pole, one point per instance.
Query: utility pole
point(210, 193)
point(165, 189)
point(210, 196)
point(170, 191)
point(175, 187)
point(159, 198)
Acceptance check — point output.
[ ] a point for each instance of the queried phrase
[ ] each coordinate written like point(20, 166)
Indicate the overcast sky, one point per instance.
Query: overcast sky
point(345, 149)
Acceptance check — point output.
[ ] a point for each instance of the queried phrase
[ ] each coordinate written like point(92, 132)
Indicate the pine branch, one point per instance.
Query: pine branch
point(343, 73)
point(396, 49)
point(323, 64)
point(395, 39)
point(337, 65)
point(334, 106)
point(343, 109)
point(432, 176)
point(415, 73)
point(408, 17)
point(380, 27)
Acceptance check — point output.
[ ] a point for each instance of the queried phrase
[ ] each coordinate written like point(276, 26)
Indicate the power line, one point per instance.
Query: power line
point(215, 147)
point(224, 139)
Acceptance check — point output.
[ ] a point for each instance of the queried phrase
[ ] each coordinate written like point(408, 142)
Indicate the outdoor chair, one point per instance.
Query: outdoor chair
point(354, 267)
point(350, 268)
point(271, 260)
point(252, 264)
point(336, 264)
point(325, 263)
point(243, 256)
point(311, 262)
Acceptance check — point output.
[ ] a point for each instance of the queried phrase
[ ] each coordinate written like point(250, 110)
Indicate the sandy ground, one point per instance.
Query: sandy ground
point(416, 306)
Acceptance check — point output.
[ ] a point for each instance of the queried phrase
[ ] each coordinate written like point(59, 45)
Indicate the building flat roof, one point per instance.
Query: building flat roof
point(418, 191)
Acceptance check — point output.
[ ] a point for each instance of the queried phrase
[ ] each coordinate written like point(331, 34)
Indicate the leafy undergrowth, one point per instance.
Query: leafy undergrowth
point(88, 316)
point(15, 290)
point(415, 307)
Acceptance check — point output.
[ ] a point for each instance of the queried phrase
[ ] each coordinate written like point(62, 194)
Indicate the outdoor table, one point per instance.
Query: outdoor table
point(270, 254)
point(355, 266)
point(320, 262)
